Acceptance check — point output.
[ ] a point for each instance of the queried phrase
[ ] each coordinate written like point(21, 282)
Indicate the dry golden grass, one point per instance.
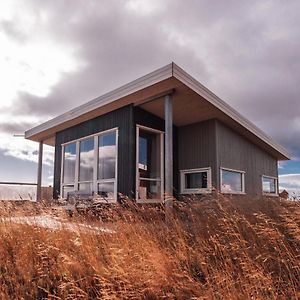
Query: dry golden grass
point(215, 248)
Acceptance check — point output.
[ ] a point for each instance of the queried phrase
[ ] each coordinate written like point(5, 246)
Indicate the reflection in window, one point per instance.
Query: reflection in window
point(86, 187)
point(67, 189)
point(232, 181)
point(96, 155)
point(106, 190)
point(149, 165)
point(69, 163)
point(107, 156)
point(86, 160)
point(269, 185)
point(149, 154)
point(143, 153)
point(195, 181)
point(150, 189)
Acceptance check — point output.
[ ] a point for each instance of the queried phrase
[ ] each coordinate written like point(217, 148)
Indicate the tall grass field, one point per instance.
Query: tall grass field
point(213, 248)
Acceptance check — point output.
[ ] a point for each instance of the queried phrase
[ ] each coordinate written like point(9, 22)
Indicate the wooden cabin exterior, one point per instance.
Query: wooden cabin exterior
point(163, 134)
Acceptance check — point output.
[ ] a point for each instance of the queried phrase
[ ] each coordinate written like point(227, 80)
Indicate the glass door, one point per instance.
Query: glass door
point(149, 166)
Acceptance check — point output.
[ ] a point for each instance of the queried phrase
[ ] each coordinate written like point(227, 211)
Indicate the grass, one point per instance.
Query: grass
point(215, 248)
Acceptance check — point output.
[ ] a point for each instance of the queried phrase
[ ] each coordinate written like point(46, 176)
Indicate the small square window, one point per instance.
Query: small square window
point(195, 181)
point(232, 181)
point(269, 185)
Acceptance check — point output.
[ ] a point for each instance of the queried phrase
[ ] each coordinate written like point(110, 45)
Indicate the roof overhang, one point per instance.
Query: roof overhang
point(192, 102)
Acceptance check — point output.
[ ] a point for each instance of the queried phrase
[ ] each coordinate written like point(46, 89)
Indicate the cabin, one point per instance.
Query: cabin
point(159, 136)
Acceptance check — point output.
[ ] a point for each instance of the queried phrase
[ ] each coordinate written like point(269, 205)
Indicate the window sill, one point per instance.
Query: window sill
point(195, 192)
point(233, 193)
point(270, 195)
point(150, 201)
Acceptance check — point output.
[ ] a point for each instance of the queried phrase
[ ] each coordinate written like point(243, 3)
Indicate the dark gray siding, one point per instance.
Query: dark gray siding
point(213, 144)
point(205, 144)
point(121, 118)
point(143, 117)
point(236, 152)
point(197, 147)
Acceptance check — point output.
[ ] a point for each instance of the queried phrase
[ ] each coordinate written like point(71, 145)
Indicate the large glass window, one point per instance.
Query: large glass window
point(232, 181)
point(106, 190)
point(149, 165)
point(86, 159)
point(107, 156)
point(89, 166)
point(67, 189)
point(69, 163)
point(195, 181)
point(269, 185)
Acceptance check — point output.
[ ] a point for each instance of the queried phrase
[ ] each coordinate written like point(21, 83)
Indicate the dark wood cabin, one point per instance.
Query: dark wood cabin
point(160, 135)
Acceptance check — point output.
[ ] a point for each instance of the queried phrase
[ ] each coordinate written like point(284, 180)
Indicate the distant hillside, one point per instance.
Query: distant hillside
point(214, 248)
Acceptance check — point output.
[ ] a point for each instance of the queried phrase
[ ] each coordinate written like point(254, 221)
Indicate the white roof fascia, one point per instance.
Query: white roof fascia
point(200, 89)
point(125, 90)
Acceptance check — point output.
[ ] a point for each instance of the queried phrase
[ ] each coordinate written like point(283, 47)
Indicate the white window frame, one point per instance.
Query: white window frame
point(77, 173)
point(62, 166)
point(242, 192)
point(138, 178)
point(184, 190)
point(276, 186)
point(95, 166)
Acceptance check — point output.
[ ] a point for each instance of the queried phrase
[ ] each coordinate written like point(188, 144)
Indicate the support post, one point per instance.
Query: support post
point(39, 173)
point(168, 153)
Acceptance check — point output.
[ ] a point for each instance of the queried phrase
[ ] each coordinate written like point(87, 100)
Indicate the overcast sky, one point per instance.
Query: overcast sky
point(55, 55)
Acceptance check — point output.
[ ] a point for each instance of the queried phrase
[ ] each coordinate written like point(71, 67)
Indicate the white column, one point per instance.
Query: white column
point(39, 173)
point(168, 152)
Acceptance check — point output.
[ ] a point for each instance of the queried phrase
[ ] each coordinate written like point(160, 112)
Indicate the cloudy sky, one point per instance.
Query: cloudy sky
point(58, 54)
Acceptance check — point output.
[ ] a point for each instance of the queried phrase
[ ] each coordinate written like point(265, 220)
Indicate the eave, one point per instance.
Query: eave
point(146, 88)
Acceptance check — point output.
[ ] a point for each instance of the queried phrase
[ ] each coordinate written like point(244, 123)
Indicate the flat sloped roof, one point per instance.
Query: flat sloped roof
point(143, 89)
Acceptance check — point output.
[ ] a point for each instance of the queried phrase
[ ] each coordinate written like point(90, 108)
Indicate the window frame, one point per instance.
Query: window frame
point(62, 175)
point(243, 191)
point(95, 166)
point(161, 179)
point(184, 190)
point(78, 173)
point(276, 186)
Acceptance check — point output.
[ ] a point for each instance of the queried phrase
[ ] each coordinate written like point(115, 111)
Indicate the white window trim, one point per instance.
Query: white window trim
point(95, 166)
point(184, 190)
point(242, 192)
point(62, 184)
point(91, 135)
point(276, 186)
point(116, 170)
point(138, 178)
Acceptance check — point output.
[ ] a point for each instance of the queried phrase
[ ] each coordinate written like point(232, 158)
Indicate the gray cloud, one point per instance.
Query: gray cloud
point(11, 29)
point(291, 183)
point(247, 52)
point(14, 128)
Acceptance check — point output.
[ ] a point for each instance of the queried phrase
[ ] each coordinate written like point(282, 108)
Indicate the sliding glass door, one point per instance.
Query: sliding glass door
point(149, 166)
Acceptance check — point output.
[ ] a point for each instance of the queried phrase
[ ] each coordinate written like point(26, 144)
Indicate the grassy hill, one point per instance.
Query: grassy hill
point(216, 248)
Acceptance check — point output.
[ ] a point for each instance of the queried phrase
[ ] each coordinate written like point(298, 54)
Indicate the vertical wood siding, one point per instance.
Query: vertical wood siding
point(197, 147)
point(205, 144)
point(236, 152)
point(121, 118)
